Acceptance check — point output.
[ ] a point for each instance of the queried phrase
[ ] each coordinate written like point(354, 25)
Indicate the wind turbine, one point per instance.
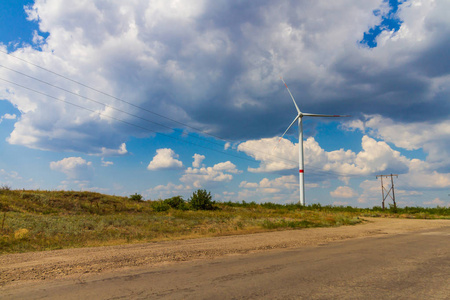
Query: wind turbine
point(301, 163)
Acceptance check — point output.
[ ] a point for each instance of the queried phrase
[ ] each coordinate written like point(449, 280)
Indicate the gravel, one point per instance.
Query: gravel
point(79, 263)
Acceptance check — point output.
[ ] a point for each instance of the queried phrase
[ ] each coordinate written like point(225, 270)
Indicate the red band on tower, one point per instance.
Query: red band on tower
point(300, 171)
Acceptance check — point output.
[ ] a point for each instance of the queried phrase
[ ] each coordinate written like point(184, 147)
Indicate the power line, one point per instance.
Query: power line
point(136, 116)
point(104, 104)
point(111, 96)
point(289, 161)
point(162, 125)
point(125, 122)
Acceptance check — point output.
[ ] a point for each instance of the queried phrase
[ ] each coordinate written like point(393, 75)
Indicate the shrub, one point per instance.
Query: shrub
point(4, 189)
point(160, 206)
point(21, 234)
point(176, 202)
point(201, 200)
point(393, 208)
point(137, 197)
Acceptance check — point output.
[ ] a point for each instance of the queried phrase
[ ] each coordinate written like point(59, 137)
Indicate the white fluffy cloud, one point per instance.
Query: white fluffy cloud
point(227, 166)
point(8, 117)
point(73, 167)
point(433, 138)
point(6, 176)
point(167, 191)
point(371, 193)
point(114, 152)
point(343, 192)
point(199, 177)
point(422, 175)
point(198, 159)
point(376, 156)
point(274, 155)
point(196, 178)
point(437, 202)
point(282, 189)
point(165, 159)
point(106, 163)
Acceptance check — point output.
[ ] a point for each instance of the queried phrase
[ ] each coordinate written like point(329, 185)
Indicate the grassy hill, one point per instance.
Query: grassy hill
point(45, 220)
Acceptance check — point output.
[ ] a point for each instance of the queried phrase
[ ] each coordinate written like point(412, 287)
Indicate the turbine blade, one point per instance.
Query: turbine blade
point(276, 145)
point(298, 110)
point(327, 116)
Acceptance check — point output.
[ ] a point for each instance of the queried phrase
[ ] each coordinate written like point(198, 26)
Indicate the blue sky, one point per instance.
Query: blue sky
point(165, 97)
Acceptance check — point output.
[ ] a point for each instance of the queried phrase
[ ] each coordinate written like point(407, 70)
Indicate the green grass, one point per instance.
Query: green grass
point(46, 220)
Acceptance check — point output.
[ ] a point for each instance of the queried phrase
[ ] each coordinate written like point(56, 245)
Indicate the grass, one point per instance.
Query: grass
point(46, 220)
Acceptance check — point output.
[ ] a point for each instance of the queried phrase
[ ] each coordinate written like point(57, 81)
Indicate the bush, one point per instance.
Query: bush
point(160, 206)
point(137, 197)
point(176, 202)
point(201, 200)
point(393, 208)
point(4, 189)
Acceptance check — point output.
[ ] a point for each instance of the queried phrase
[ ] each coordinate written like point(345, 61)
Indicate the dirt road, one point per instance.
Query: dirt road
point(29, 270)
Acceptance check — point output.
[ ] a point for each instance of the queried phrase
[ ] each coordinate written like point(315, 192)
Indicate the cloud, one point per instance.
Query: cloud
point(199, 177)
point(7, 117)
point(423, 175)
point(227, 166)
point(248, 185)
point(274, 156)
point(376, 156)
point(371, 193)
point(165, 159)
point(345, 179)
point(433, 138)
point(282, 189)
point(437, 202)
point(167, 191)
point(106, 163)
point(114, 152)
point(340, 203)
point(74, 167)
point(12, 175)
point(205, 68)
point(197, 160)
point(343, 192)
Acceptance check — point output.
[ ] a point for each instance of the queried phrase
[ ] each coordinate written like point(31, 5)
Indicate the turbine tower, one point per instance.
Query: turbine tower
point(301, 163)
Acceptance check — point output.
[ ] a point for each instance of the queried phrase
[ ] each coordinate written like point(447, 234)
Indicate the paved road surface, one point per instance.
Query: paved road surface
point(405, 266)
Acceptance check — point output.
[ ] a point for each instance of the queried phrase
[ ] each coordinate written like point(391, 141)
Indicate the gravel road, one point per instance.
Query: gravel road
point(30, 268)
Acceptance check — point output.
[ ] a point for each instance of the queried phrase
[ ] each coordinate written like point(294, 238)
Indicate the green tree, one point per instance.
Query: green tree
point(201, 200)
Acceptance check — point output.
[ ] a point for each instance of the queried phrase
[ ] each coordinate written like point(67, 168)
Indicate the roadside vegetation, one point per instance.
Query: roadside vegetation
point(46, 220)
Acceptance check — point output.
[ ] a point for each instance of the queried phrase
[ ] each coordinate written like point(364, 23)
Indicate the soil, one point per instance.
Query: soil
point(82, 262)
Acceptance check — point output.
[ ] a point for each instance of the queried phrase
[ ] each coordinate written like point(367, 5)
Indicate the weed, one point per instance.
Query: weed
point(42, 220)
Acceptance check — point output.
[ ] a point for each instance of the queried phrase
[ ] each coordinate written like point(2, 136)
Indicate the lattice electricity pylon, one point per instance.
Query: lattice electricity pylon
point(388, 192)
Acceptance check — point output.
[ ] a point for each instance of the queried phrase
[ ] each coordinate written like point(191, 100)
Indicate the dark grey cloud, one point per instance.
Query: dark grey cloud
point(215, 65)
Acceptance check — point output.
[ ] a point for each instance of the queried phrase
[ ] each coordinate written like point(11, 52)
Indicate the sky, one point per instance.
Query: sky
point(165, 97)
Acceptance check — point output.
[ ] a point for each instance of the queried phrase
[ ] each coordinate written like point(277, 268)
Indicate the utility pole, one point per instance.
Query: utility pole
point(388, 192)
